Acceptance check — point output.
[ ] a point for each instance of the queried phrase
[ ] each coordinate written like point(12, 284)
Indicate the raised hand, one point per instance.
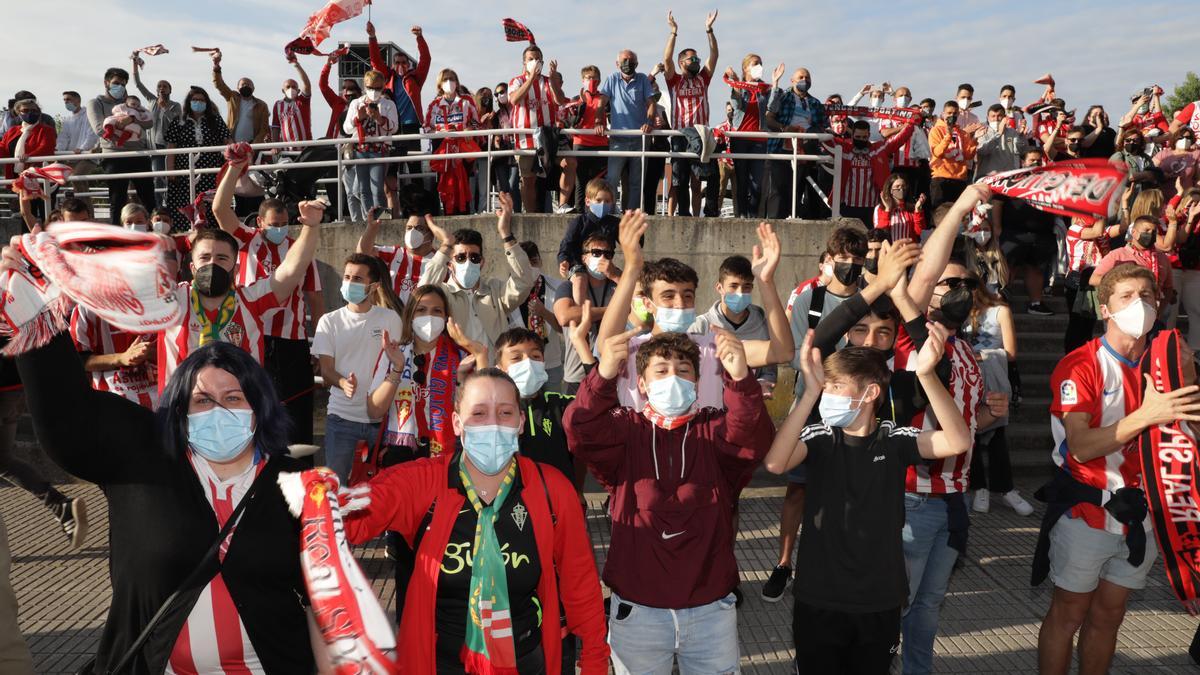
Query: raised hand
point(614, 352)
point(460, 338)
point(370, 29)
point(731, 74)
point(633, 226)
point(393, 350)
point(732, 353)
point(504, 214)
point(671, 22)
point(931, 352)
point(894, 261)
point(811, 366)
point(711, 19)
point(312, 211)
point(1162, 407)
point(866, 89)
point(764, 258)
point(416, 31)
point(777, 74)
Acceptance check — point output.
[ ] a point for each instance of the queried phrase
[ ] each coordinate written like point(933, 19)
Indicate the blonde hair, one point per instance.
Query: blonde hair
point(374, 78)
point(592, 71)
point(1148, 203)
point(597, 185)
point(746, 61)
point(445, 74)
point(131, 209)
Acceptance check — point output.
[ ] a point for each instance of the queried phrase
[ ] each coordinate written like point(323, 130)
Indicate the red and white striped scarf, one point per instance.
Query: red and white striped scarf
point(29, 182)
point(152, 50)
point(664, 422)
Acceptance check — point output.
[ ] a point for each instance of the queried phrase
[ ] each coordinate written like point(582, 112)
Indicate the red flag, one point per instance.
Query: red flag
point(903, 115)
point(515, 31)
point(1079, 187)
point(324, 19)
point(30, 180)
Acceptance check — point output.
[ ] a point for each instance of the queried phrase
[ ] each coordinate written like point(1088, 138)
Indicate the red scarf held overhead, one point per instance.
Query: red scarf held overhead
point(454, 186)
point(515, 31)
point(904, 115)
point(435, 407)
point(1170, 470)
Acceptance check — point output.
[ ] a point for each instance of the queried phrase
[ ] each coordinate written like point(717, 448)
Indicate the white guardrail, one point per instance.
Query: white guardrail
point(833, 161)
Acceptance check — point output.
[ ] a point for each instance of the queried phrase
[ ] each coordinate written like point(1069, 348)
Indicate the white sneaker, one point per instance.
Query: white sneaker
point(981, 501)
point(1017, 503)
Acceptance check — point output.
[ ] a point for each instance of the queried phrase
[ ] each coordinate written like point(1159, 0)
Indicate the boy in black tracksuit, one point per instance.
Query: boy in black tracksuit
point(850, 576)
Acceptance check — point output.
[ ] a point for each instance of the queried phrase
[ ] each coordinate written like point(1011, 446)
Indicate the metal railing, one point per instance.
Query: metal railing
point(832, 161)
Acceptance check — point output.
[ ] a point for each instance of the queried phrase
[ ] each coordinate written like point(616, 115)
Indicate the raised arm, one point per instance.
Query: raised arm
point(788, 450)
point(305, 84)
point(954, 438)
point(765, 260)
point(633, 226)
point(290, 273)
point(936, 251)
point(218, 80)
point(222, 204)
point(521, 274)
point(137, 80)
point(366, 242)
point(713, 52)
point(331, 97)
point(668, 59)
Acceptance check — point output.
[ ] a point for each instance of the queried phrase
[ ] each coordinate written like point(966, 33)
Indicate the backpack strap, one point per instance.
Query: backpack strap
point(816, 306)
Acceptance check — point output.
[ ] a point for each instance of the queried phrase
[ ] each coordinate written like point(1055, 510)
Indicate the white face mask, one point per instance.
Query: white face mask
point(827, 271)
point(1136, 319)
point(1007, 103)
point(756, 71)
point(903, 101)
point(138, 227)
point(532, 66)
point(876, 102)
point(414, 239)
point(291, 93)
point(529, 376)
point(374, 94)
point(963, 104)
point(427, 328)
point(997, 125)
point(1183, 144)
point(449, 87)
point(160, 227)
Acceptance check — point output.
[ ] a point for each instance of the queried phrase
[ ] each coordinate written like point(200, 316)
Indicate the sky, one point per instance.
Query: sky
point(1099, 51)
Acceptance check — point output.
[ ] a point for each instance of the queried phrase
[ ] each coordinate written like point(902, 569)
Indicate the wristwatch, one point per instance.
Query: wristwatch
point(509, 239)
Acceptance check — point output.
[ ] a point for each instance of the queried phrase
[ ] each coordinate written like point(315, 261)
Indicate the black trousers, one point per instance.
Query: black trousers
point(587, 168)
point(997, 477)
point(831, 642)
point(749, 174)
point(289, 364)
point(118, 188)
point(1081, 327)
point(942, 190)
point(682, 171)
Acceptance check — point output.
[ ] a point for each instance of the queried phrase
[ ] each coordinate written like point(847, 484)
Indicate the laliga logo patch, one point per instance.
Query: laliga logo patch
point(1067, 393)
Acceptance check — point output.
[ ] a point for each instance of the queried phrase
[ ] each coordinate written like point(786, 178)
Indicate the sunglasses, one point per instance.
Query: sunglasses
point(464, 257)
point(598, 252)
point(954, 282)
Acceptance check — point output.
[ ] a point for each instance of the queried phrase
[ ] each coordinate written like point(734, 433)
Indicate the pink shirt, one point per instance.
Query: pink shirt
point(1155, 261)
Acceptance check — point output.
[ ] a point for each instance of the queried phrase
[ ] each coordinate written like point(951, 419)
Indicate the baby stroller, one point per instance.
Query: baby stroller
point(292, 186)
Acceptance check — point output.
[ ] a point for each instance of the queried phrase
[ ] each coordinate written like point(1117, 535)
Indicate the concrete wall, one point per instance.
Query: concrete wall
point(700, 242)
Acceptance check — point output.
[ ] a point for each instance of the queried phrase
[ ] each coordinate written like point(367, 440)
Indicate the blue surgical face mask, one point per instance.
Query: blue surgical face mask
point(354, 292)
point(671, 395)
point(220, 434)
point(529, 375)
point(198, 106)
point(71, 107)
point(600, 209)
point(467, 274)
point(737, 302)
point(674, 320)
point(276, 235)
point(116, 90)
point(837, 410)
point(490, 446)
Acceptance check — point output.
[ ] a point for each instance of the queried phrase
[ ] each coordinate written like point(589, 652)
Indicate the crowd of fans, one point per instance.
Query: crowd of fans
point(903, 339)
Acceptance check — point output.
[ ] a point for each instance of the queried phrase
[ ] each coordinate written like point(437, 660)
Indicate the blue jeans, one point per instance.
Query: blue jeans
point(341, 437)
point(930, 561)
point(647, 640)
point(367, 183)
point(632, 197)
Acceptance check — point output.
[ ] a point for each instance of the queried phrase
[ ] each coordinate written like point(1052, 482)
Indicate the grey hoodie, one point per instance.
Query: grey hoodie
point(755, 328)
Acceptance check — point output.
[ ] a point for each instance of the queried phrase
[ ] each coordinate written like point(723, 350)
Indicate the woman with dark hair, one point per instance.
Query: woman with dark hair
point(894, 213)
point(202, 467)
point(201, 126)
point(494, 534)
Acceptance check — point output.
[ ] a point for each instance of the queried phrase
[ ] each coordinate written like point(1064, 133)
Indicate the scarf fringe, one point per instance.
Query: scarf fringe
point(478, 664)
point(53, 319)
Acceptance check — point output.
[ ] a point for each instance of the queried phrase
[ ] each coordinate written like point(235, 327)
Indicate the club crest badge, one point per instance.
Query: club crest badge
point(519, 516)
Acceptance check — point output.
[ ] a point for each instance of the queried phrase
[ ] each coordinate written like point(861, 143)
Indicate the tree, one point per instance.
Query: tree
point(1184, 94)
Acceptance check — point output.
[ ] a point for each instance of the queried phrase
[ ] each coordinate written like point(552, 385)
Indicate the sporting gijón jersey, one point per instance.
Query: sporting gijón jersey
point(404, 267)
point(244, 329)
point(949, 475)
point(258, 259)
point(1096, 380)
point(96, 336)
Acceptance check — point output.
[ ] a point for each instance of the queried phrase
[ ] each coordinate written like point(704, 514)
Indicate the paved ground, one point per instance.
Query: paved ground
point(989, 623)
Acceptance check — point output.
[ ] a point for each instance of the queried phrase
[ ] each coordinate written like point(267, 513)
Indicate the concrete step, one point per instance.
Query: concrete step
point(1033, 409)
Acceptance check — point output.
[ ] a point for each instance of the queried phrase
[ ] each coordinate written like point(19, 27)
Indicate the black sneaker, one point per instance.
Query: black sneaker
point(773, 590)
point(72, 518)
point(738, 598)
point(1038, 309)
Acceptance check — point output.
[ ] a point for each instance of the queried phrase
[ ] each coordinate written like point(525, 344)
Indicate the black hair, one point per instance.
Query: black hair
point(367, 261)
point(531, 250)
point(215, 235)
point(861, 125)
point(735, 266)
point(1008, 87)
point(517, 336)
point(966, 86)
point(877, 235)
point(950, 104)
point(995, 107)
point(272, 423)
point(468, 237)
point(210, 111)
point(116, 72)
point(668, 270)
point(74, 205)
point(932, 103)
point(271, 205)
point(72, 93)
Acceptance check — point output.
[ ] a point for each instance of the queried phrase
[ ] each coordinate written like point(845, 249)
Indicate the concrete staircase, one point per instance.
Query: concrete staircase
point(1039, 349)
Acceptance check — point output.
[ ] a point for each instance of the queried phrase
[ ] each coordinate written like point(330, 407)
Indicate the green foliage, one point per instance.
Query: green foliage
point(1184, 94)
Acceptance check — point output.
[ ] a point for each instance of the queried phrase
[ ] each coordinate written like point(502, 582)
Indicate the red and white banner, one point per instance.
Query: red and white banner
point(902, 115)
point(356, 632)
point(515, 31)
point(322, 22)
point(29, 182)
point(1090, 188)
point(152, 50)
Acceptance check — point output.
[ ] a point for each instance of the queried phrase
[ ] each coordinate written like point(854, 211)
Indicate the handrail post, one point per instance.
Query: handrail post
point(835, 199)
point(795, 142)
point(487, 180)
point(341, 185)
point(192, 177)
point(638, 188)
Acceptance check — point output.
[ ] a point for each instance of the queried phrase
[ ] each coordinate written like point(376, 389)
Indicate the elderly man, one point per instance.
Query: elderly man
point(630, 107)
point(291, 116)
point(247, 116)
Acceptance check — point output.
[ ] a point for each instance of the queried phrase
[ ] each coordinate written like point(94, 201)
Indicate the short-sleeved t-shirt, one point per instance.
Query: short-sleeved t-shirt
point(573, 371)
point(1189, 115)
point(95, 335)
point(689, 98)
point(258, 258)
point(1096, 380)
point(627, 100)
point(352, 339)
point(1157, 262)
point(851, 557)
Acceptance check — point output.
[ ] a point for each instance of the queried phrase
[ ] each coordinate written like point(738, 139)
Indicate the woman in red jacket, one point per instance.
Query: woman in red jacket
point(33, 137)
point(502, 548)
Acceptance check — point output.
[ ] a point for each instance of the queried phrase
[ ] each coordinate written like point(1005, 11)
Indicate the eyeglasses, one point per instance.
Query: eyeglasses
point(598, 252)
point(464, 257)
point(954, 282)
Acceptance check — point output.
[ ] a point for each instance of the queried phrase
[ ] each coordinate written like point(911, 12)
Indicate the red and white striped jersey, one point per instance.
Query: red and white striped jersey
point(1083, 253)
point(689, 98)
point(214, 639)
point(457, 115)
point(1189, 116)
point(293, 118)
point(258, 259)
point(404, 267)
point(245, 329)
point(900, 221)
point(949, 475)
point(1097, 381)
point(535, 110)
point(913, 150)
point(863, 171)
point(94, 335)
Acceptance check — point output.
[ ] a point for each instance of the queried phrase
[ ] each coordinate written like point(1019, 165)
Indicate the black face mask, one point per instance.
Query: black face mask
point(628, 67)
point(951, 120)
point(212, 280)
point(847, 273)
point(860, 144)
point(693, 68)
point(246, 92)
point(871, 265)
point(1145, 239)
point(956, 308)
